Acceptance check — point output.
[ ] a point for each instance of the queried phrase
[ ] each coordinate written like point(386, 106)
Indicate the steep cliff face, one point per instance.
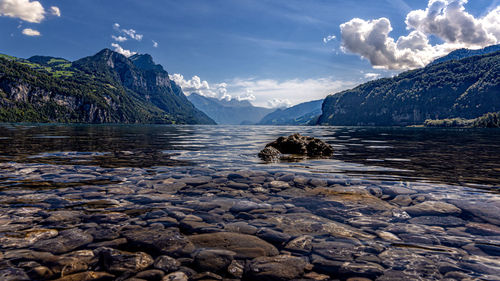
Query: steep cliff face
point(149, 81)
point(467, 88)
point(104, 88)
point(30, 96)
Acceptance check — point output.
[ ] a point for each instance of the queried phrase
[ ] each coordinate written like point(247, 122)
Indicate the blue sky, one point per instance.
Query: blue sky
point(271, 52)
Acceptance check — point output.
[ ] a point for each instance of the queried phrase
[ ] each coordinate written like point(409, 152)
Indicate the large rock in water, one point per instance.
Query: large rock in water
point(296, 144)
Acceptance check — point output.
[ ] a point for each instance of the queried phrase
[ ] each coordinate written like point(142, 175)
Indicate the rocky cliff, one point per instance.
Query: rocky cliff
point(104, 88)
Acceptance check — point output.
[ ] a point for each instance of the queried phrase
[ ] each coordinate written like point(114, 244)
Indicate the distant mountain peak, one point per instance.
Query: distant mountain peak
point(232, 111)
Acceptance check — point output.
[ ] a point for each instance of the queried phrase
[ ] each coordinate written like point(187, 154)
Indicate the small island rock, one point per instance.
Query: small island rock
point(296, 144)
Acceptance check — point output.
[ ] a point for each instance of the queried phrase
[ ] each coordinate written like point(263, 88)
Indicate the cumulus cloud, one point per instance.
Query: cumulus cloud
point(55, 11)
point(30, 11)
point(263, 92)
point(274, 93)
point(120, 50)
point(119, 38)
point(31, 32)
point(372, 76)
point(201, 87)
point(448, 20)
point(132, 33)
point(155, 44)
point(279, 103)
point(329, 38)
point(248, 96)
point(445, 19)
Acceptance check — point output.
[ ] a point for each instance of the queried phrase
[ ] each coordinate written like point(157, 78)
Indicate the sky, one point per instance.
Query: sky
point(273, 53)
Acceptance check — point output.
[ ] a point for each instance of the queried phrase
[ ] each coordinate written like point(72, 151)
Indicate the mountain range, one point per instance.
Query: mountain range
point(465, 88)
point(301, 114)
point(111, 88)
point(104, 88)
point(229, 112)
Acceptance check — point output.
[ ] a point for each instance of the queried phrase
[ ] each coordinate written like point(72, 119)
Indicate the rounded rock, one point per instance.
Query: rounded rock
point(213, 260)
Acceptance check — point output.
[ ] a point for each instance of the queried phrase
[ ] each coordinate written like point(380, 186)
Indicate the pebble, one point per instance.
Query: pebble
point(213, 260)
point(167, 264)
point(432, 208)
point(199, 224)
point(275, 268)
point(157, 240)
point(66, 241)
point(438, 220)
point(176, 276)
point(245, 246)
point(116, 261)
point(483, 229)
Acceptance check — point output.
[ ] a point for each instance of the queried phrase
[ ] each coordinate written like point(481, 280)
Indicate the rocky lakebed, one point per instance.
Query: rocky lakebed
point(75, 222)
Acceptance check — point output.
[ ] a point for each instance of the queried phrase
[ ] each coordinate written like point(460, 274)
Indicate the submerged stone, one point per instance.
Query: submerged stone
point(66, 241)
point(245, 246)
point(432, 208)
point(158, 240)
point(213, 260)
point(120, 261)
point(275, 268)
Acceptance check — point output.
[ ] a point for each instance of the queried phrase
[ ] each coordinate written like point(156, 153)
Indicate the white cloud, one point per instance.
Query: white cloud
point(30, 11)
point(55, 11)
point(201, 87)
point(445, 19)
point(268, 92)
point(448, 20)
point(278, 103)
point(132, 33)
point(119, 38)
point(31, 32)
point(155, 44)
point(264, 92)
point(329, 38)
point(248, 96)
point(122, 51)
point(372, 76)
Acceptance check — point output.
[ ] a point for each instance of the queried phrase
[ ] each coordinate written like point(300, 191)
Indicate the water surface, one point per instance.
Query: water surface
point(391, 204)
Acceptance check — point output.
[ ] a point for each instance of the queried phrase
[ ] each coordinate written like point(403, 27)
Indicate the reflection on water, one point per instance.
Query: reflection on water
point(455, 156)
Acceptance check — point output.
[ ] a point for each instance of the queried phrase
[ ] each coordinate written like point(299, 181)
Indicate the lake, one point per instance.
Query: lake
point(391, 204)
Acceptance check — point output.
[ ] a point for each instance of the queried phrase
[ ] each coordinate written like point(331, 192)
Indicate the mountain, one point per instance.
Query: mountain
point(466, 88)
point(300, 114)
point(465, 53)
point(105, 88)
point(232, 112)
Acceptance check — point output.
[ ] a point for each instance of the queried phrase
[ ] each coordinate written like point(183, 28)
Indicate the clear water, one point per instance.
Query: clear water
point(450, 156)
point(124, 168)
